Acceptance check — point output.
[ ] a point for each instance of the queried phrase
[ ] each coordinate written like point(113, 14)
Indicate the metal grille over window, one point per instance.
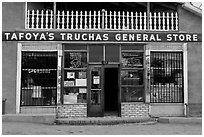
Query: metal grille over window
point(39, 78)
point(166, 77)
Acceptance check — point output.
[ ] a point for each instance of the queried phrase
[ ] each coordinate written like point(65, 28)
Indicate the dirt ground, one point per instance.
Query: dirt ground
point(17, 128)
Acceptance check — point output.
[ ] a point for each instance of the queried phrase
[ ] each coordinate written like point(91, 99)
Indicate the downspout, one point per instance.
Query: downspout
point(185, 66)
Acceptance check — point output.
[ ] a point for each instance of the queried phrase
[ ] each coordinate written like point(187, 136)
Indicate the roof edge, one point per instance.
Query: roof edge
point(191, 8)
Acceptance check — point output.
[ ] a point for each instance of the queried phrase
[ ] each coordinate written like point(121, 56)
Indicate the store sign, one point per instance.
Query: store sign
point(106, 36)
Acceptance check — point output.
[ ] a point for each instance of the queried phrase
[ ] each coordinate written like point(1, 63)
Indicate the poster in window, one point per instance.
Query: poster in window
point(68, 83)
point(82, 90)
point(82, 75)
point(81, 82)
point(96, 80)
point(70, 75)
point(71, 98)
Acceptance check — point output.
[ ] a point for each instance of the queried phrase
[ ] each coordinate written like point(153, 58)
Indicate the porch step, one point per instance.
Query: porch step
point(30, 118)
point(104, 121)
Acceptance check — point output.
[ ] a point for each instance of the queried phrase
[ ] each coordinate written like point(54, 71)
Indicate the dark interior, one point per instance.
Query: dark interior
point(111, 90)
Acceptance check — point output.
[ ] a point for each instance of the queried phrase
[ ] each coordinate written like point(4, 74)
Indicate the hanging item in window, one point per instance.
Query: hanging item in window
point(96, 80)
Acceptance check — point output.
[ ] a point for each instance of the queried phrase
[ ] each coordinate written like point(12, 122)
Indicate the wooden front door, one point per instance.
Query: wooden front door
point(95, 96)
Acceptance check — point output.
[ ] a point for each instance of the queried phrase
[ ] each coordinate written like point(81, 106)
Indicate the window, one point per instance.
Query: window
point(75, 77)
point(38, 78)
point(166, 77)
point(132, 75)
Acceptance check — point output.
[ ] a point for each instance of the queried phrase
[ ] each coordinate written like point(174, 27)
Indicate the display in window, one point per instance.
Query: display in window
point(81, 82)
point(75, 59)
point(74, 95)
point(69, 83)
point(70, 98)
point(82, 90)
point(132, 94)
point(132, 77)
point(75, 78)
point(82, 75)
point(132, 59)
point(70, 75)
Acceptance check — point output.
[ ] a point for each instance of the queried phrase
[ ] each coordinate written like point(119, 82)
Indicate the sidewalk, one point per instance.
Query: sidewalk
point(109, 120)
point(180, 120)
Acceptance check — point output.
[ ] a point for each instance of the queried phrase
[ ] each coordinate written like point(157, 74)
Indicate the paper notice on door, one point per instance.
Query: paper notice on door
point(81, 82)
point(96, 80)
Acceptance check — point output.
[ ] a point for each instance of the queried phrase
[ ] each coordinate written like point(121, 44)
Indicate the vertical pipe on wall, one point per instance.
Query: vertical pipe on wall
point(18, 78)
point(185, 71)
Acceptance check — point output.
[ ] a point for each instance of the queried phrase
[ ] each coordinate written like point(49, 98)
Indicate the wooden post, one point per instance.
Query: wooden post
point(127, 20)
point(85, 22)
point(37, 19)
point(159, 18)
point(46, 19)
point(28, 19)
point(81, 19)
point(58, 20)
point(132, 20)
point(177, 25)
point(110, 20)
point(119, 21)
point(136, 21)
point(145, 22)
point(42, 20)
point(32, 19)
point(163, 18)
point(63, 19)
point(172, 21)
point(51, 20)
point(67, 19)
point(55, 13)
point(76, 19)
point(140, 20)
point(99, 15)
point(167, 16)
point(114, 19)
point(155, 21)
point(148, 11)
point(103, 19)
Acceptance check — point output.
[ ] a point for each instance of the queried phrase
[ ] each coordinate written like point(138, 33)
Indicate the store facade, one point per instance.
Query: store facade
point(113, 68)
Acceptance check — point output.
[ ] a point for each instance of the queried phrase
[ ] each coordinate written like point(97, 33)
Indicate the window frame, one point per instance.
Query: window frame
point(64, 69)
point(133, 69)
